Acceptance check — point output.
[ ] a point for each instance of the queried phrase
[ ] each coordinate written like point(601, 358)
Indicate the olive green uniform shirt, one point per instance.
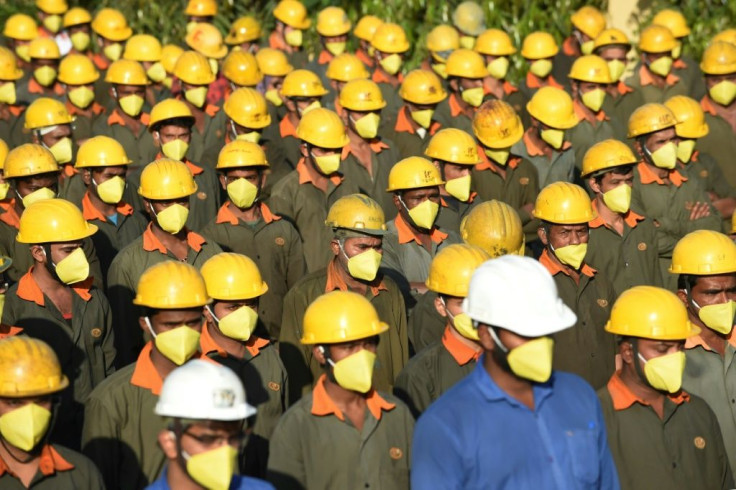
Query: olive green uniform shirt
point(452, 212)
point(425, 323)
point(704, 169)
point(82, 475)
point(651, 93)
point(448, 118)
point(689, 71)
point(375, 182)
point(720, 143)
point(138, 146)
point(559, 168)
point(623, 103)
point(587, 134)
point(205, 146)
point(408, 141)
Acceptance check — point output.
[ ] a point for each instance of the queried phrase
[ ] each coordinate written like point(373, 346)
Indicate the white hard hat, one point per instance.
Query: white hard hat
point(203, 390)
point(519, 295)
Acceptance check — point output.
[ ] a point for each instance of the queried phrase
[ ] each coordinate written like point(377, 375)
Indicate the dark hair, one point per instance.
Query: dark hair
point(619, 170)
point(182, 122)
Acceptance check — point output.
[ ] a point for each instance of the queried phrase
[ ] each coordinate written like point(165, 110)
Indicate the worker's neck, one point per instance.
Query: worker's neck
point(609, 217)
point(167, 238)
point(251, 214)
point(343, 398)
point(233, 347)
point(641, 390)
point(518, 388)
point(464, 340)
point(178, 478)
point(164, 366)
point(105, 208)
point(45, 280)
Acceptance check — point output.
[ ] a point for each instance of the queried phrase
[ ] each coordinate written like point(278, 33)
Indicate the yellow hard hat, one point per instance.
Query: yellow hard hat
point(28, 368)
point(539, 45)
point(53, 220)
point(44, 48)
point(21, 27)
point(590, 68)
point(247, 107)
point(651, 313)
point(111, 24)
point(611, 37)
point(657, 39)
point(553, 107)
point(302, 83)
point(497, 125)
point(52, 6)
point(413, 173)
point(607, 154)
point(366, 27)
point(563, 203)
point(168, 109)
point(704, 253)
point(142, 47)
point(466, 63)
point(390, 38)
point(719, 59)
point(340, 316)
point(273, 62)
point(357, 212)
point(169, 56)
point(166, 179)
point(454, 146)
point(232, 277)
point(76, 16)
point(193, 68)
point(422, 87)
point(494, 42)
point(469, 17)
point(206, 39)
point(9, 65)
point(726, 35)
point(442, 39)
point(201, 8)
point(292, 13)
point(101, 151)
point(495, 227)
point(3, 155)
point(241, 68)
point(243, 30)
point(672, 20)
point(126, 72)
point(453, 266)
point(333, 21)
point(44, 112)
point(346, 67)
point(362, 95)
point(689, 116)
point(239, 154)
point(171, 285)
point(77, 69)
point(322, 127)
point(29, 159)
point(650, 118)
point(588, 20)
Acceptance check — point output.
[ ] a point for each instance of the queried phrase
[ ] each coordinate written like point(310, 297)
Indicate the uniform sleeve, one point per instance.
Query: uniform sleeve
point(607, 468)
point(400, 354)
point(412, 390)
point(124, 324)
point(108, 342)
point(285, 463)
point(436, 460)
point(94, 263)
point(291, 349)
point(296, 267)
point(100, 441)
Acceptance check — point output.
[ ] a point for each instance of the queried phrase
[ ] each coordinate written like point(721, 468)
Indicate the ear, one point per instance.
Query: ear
point(35, 138)
point(638, 148)
point(318, 355)
point(575, 86)
point(223, 181)
point(335, 247)
point(289, 104)
point(142, 324)
point(38, 253)
point(87, 176)
point(303, 150)
point(594, 185)
point(264, 177)
point(208, 318)
point(683, 296)
point(156, 138)
point(454, 85)
point(167, 441)
point(397, 203)
point(345, 116)
point(542, 234)
point(440, 307)
point(626, 352)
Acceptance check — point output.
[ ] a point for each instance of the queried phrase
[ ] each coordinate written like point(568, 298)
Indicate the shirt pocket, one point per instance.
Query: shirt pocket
point(582, 446)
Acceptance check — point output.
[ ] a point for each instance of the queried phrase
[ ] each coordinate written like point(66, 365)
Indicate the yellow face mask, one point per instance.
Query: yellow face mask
point(593, 99)
point(252, 137)
point(467, 42)
point(665, 156)
point(617, 69)
point(440, 69)
point(4, 187)
point(190, 26)
point(572, 255)
point(178, 344)
point(499, 68)
point(173, 218)
point(7, 93)
point(314, 105)
point(113, 51)
point(391, 64)
point(618, 199)
point(80, 41)
point(661, 66)
point(168, 82)
point(214, 66)
point(355, 372)
point(424, 214)
point(677, 50)
point(294, 38)
point(718, 317)
point(81, 97)
point(52, 23)
point(272, 95)
point(685, 150)
point(473, 96)
point(541, 68)
point(62, 150)
point(367, 126)
point(723, 93)
point(38, 195)
point(587, 47)
point(500, 157)
point(26, 426)
point(24, 52)
point(327, 164)
point(462, 323)
point(213, 469)
point(45, 75)
point(111, 190)
point(336, 48)
point(242, 193)
point(423, 117)
point(175, 149)
point(132, 105)
point(553, 137)
point(664, 373)
point(73, 268)
point(196, 96)
point(156, 72)
point(238, 324)
point(363, 266)
point(531, 360)
point(459, 188)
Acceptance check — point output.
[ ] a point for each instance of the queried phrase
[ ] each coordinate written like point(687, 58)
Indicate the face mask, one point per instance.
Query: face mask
point(52, 23)
point(237, 325)
point(363, 266)
point(111, 191)
point(213, 469)
point(272, 95)
point(168, 82)
point(45, 75)
point(24, 427)
point(665, 156)
point(531, 360)
point(355, 372)
point(459, 188)
point(617, 68)
point(38, 195)
point(242, 193)
point(685, 150)
point(113, 51)
point(251, 136)
point(572, 255)
point(80, 41)
point(462, 323)
point(7, 93)
point(467, 42)
point(4, 187)
point(62, 150)
point(391, 64)
point(81, 97)
point(214, 66)
point(718, 317)
point(337, 48)
point(423, 117)
point(294, 38)
point(723, 92)
point(314, 105)
point(190, 26)
point(593, 99)
point(661, 66)
point(498, 68)
point(664, 373)
point(541, 68)
point(677, 51)
point(2, 304)
point(156, 72)
point(24, 52)
point(618, 199)
point(175, 149)
point(553, 137)
point(327, 164)
point(73, 268)
point(587, 47)
point(440, 69)
point(132, 105)
point(473, 96)
point(367, 126)
point(196, 96)
point(424, 214)
point(501, 157)
point(178, 344)
point(173, 218)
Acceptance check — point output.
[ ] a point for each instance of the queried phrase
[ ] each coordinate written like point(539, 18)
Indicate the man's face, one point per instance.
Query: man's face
point(39, 62)
point(159, 206)
point(224, 308)
point(355, 246)
point(338, 352)
point(414, 197)
point(170, 132)
point(713, 80)
point(27, 185)
point(273, 83)
point(459, 84)
point(650, 349)
point(250, 174)
point(580, 88)
point(454, 171)
point(126, 90)
point(563, 235)
point(611, 180)
point(10, 404)
point(202, 437)
point(103, 174)
point(453, 304)
point(59, 133)
point(165, 320)
point(714, 290)
point(79, 28)
point(60, 251)
point(655, 141)
point(613, 52)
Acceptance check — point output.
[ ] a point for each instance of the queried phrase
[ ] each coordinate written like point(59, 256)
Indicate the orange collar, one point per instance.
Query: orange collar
point(536, 151)
point(630, 218)
point(648, 177)
point(9, 217)
point(376, 147)
point(29, 290)
point(196, 170)
point(455, 109)
point(96, 108)
point(403, 125)
point(207, 344)
point(211, 110)
point(9, 331)
point(580, 112)
point(554, 268)
point(275, 42)
point(90, 212)
point(334, 281)
point(16, 110)
point(116, 118)
point(406, 234)
point(379, 77)
point(304, 177)
point(363, 56)
point(68, 170)
point(707, 105)
point(225, 215)
point(151, 243)
point(100, 62)
point(487, 164)
point(145, 374)
point(646, 77)
point(568, 47)
point(623, 88)
point(459, 351)
point(509, 89)
point(692, 342)
point(325, 57)
point(323, 405)
point(679, 64)
point(623, 397)
point(49, 463)
point(286, 127)
point(35, 88)
point(533, 81)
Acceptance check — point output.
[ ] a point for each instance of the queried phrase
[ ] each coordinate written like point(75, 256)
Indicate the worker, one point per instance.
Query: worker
point(56, 301)
point(468, 18)
point(564, 210)
point(19, 30)
point(120, 428)
point(78, 75)
point(169, 56)
point(205, 39)
point(342, 69)
point(441, 41)
point(165, 187)
point(705, 264)
point(439, 366)
point(660, 435)
point(288, 34)
point(676, 204)
point(111, 31)
point(233, 337)
point(244, 35)
point(49, 14)
point(683, 65)
point(366, 434)
point(587, 24)
point(240, 69)
point(31, 383)
point(77, 24)
point(5, 330)
point(538, 50)
point(333, 27)
point(204, 406)
point(247, 226)
point(390, 48)
point(621, 243)
point(44, 68)
point(200, 12)
point(654, 77)
point(465, 73)
point(363, 33)
point(540, 427)
point(357, 227)
point(305, 195)
point(146, 50)
point(275, 66)
point(10, 107)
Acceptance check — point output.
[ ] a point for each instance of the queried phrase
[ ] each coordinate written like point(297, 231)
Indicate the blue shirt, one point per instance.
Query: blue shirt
point(237, 483)
point(477, 436)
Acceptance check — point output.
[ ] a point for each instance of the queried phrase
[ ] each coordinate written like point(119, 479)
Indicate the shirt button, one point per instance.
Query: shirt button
point(367, 485)
point(674, 465)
